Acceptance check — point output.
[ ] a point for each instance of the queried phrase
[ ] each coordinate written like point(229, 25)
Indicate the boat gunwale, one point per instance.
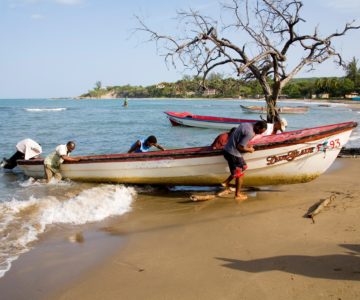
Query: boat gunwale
point(211, 119)
point(282, 109)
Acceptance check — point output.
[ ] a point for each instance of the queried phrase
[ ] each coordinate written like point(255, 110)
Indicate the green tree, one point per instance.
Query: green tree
point(346, 86)
point(352, 71)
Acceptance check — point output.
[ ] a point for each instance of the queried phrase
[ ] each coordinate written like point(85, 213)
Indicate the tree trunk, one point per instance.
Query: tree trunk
point(271, 111)
point(271, 96)
point(271, 100)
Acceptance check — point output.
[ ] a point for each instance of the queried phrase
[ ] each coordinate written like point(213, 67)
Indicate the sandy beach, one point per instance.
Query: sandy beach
point(171, 248)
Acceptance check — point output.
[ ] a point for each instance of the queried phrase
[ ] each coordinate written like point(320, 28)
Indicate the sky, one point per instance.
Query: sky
point(61, 48)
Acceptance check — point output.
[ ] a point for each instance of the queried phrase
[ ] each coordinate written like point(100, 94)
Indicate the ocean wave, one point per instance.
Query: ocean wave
point(45, 109)
point(21, 222)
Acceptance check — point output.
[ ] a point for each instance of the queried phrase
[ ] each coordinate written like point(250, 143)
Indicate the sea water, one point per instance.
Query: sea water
point(28, 208)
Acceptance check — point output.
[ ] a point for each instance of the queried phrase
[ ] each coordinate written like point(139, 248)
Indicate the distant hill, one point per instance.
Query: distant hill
point(219, 87)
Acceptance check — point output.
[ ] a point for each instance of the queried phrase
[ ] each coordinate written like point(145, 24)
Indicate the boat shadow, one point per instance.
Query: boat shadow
point(336, 266)
point(182, 194)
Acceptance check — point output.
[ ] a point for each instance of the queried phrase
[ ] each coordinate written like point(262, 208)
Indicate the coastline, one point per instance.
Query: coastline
point(61, 255)
point(171, 248)
point(355, 105)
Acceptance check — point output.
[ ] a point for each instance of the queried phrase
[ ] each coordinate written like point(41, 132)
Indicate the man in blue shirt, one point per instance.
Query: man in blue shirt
point(145, 145)
point(238, 144)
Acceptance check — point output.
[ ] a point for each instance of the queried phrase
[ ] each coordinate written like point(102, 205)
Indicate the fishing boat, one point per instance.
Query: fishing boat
point(188, 119)
point(281, 109)
point(290, 157)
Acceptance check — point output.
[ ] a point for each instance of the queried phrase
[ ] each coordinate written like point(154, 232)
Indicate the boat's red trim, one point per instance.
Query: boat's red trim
point(187, 115)
point(263, 143)
point(301, 135)
point(173, 122)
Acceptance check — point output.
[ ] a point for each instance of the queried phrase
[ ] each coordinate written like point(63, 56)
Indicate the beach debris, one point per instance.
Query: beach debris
point(224, 193)
point(196, 198)
point(316, 209)
point(131, 265)
point(76, 238)
point(206, 197)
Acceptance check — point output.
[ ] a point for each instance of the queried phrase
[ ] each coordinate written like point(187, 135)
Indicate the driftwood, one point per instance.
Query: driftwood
point(201, 197)
point(316, 209)
point(205, 197)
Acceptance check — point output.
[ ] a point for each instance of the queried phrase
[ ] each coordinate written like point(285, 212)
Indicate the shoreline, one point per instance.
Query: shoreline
point(171, 248)
point(348, 102)
point(63, 253)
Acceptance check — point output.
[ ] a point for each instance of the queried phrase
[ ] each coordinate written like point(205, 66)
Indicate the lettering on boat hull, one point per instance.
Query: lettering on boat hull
point(291, 155)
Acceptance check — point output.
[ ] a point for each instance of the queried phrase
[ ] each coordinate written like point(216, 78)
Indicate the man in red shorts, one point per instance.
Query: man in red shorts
point(238, 144)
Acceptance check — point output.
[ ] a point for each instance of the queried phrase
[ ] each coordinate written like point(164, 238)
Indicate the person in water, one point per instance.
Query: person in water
point(145, 145)
point(25, 149)
point(53, 161)
point(125, 104)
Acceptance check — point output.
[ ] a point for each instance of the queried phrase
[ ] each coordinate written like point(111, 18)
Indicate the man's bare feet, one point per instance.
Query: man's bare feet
point(240, 198)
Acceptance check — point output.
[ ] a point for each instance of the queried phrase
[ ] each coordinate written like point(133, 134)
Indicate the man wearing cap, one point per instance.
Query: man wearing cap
point(279, 126)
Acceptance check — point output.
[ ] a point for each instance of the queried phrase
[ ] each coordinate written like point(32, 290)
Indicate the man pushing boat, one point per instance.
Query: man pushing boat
point(25, 149)
point(145, 145)
point(237, 144)
point(53, 161)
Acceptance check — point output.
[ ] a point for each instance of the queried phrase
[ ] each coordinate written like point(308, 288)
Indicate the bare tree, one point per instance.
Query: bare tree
point(255, 40)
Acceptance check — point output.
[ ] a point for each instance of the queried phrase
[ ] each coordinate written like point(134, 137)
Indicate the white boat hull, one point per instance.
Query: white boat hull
point(295, 163)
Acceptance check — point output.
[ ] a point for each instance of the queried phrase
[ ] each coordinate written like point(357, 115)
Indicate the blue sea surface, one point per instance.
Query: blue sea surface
point(104, 126)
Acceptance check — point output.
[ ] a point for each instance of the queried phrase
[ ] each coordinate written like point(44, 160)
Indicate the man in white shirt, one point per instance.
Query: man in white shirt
point(280, 124)
point(25, 149)
point(53, 161)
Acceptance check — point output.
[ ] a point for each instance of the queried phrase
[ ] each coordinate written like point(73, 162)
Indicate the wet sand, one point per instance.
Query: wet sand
point(263, 248)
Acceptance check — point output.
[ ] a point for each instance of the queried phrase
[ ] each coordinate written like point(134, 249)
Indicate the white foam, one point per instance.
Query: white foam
point(90, 205)
point(23, 221)
point(45, 109)
point(42, 182)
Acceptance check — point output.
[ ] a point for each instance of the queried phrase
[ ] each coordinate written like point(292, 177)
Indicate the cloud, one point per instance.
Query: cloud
point(36, 16)
point(346, 5)
point(17, 3)
point(69, 2)
point(23, 3)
